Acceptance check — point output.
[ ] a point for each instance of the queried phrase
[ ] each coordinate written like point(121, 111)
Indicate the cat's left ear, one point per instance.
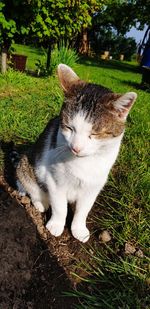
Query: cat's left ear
point(123, 104)
point(67, 77)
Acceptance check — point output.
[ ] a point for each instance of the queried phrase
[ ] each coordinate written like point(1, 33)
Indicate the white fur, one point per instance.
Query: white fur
point(75, 178)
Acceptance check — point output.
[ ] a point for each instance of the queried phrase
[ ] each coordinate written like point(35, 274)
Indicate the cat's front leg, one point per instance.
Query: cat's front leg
point(84, 204)
point(57, 221)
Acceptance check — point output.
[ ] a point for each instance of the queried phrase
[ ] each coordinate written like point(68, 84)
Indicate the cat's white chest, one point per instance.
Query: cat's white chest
point(79, 172)
point(87, 170)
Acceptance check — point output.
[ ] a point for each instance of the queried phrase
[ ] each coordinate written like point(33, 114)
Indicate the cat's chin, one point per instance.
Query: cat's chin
point(81, 155)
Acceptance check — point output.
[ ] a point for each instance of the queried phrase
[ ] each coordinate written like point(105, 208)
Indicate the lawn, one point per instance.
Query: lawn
point(114, 277)
point(33, 54)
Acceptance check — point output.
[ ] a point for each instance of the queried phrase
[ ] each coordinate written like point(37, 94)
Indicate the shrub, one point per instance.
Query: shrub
point(64, 55)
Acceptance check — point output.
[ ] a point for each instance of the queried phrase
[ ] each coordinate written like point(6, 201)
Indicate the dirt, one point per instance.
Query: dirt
point(35, 267)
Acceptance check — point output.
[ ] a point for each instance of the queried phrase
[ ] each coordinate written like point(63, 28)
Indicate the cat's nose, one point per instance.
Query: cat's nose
point(75, 149)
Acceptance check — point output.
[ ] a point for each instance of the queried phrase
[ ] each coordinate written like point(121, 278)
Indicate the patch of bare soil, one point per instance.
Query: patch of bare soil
point(35, 267)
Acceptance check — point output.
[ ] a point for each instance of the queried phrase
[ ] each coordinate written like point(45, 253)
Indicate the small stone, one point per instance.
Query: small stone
point(29, 305)
point(129, 248)
point(25, 200)
point(27, 276)
point(14, 193)
point(139, 253)
point(104, 236)
point(91, 251)
point(44, 236)
point(40, 229)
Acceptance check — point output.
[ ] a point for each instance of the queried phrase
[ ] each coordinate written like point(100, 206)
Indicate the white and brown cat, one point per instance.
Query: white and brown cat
point(71, 160)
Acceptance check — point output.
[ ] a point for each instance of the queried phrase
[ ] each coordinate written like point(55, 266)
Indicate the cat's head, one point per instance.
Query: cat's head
point(92, 116)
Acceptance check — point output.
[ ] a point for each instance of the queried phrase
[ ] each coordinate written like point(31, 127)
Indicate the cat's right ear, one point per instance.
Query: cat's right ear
point(67, 77)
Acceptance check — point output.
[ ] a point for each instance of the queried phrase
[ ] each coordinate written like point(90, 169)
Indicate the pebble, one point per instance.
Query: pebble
point(139, 253)
point(25, 200)
point(91, 251)
point(27, 276)
point(129, 248)
point(104, 236)
point(29, 305)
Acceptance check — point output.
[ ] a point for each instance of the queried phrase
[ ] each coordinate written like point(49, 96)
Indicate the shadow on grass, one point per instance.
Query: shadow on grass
point(135, 85)
point(109, 64)
point(112, 290)
point(129, 83)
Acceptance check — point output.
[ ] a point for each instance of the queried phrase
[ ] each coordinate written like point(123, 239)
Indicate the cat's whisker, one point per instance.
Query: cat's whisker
point(61, 147)
point(58, 146)
point(60, 152)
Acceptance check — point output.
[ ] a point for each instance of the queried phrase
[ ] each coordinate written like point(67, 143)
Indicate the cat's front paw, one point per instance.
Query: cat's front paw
point(82, 235)
point(39, 206)
point(55, 227)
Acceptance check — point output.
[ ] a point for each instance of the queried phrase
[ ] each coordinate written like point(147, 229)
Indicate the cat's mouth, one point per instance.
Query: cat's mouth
point(79, 155)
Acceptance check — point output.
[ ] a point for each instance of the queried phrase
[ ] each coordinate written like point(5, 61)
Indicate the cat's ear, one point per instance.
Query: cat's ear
point(67, 77)
point(123, 104)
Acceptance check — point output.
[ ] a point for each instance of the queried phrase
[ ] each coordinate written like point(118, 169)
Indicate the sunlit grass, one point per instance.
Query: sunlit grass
point(33, 54)
point(114, 280)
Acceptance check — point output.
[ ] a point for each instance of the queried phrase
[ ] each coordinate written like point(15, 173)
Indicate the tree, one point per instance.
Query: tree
point(8, 28)
point(141, 11)
point(121, 15)
point(61, 20)
point(117, 15)
point(15, 17)
point(114, 20)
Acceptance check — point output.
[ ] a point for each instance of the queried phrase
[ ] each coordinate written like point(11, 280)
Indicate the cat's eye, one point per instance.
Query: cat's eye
point(100, 135)
point(93, 135)
point(68, 128)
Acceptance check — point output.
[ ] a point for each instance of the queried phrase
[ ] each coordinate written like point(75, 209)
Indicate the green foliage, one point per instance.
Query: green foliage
point(7, 26)
point(15, 18)
point(45, 21)
point(141, 12)
point(122, 15)
point(64, 55)
point(62, 19)
point(118, 14)
point(106, 39)
point(37, 57)
point(59, 55)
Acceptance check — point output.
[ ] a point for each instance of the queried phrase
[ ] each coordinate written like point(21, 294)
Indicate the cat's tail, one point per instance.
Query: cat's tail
point(14, 157)
point(11, 159)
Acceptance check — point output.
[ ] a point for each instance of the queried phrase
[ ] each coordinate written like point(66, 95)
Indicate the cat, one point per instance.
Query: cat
point(71, 159)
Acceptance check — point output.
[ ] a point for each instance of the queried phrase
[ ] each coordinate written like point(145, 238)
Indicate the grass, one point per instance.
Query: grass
point(26, 105)
point(33, 54)
point(115, 280)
